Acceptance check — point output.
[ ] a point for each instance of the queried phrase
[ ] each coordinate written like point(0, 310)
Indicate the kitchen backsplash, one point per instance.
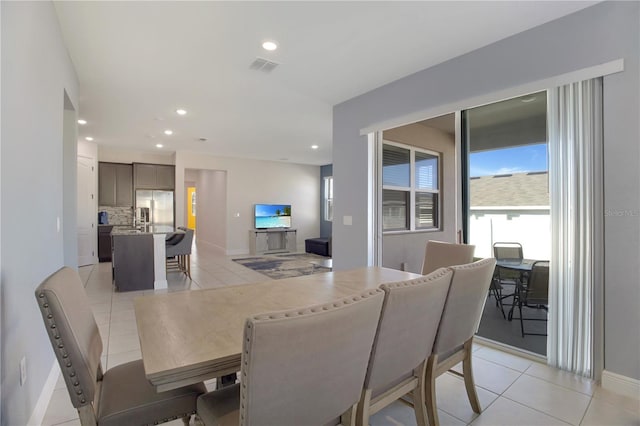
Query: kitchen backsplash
point(118, 215)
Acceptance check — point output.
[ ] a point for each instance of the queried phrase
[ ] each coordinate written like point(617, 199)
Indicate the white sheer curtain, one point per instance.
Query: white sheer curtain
point(576, 182)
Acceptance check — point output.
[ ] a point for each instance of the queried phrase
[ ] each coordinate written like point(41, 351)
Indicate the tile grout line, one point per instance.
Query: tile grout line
point(535, 409)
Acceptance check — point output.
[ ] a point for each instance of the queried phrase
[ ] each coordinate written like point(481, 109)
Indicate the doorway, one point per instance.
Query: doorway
point(86, 211)
point(191, 207)
point(206, 199)
point(507, 197)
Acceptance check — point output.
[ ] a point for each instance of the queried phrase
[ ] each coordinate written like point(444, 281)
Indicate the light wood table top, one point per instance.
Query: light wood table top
point(190, 336)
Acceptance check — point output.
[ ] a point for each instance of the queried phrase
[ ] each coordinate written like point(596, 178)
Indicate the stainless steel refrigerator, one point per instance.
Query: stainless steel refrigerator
point(160, 205)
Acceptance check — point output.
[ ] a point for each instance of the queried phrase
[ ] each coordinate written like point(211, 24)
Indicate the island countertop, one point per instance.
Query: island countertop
point(153, 229)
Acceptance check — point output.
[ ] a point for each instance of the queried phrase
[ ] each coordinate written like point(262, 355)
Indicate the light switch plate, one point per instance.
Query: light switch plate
point(347, 220)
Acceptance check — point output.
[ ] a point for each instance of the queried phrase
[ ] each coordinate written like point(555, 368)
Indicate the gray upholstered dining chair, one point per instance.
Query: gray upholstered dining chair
point(438, 254)
point(459, 322)
point(120, 396)
point(408, 323)
point(178, 251)
point(300, 367)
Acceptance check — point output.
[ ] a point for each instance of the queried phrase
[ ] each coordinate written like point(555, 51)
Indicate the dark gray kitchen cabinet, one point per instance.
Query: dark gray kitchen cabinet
point(153, 176)
point(106, 184)
point(124, 185)
point(132, 262)
point(165, 177)
point(115, 184)
point(145, 175)
point(104, 243)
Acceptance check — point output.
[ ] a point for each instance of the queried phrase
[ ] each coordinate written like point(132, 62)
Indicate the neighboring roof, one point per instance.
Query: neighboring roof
point(517, 189)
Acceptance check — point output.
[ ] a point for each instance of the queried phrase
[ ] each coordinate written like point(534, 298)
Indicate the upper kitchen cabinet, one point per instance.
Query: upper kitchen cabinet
point(153, 176)
point(115, 184)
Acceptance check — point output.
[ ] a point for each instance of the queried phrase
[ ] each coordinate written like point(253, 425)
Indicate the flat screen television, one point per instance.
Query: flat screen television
point(272, 216)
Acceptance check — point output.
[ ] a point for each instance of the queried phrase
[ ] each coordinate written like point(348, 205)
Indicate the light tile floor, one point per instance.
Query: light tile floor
point(512, 390)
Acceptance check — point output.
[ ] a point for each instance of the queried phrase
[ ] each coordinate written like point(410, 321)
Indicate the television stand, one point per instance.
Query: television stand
point(272, 240)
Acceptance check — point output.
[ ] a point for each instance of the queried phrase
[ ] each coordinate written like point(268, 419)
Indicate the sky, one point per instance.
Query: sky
point(521, 159)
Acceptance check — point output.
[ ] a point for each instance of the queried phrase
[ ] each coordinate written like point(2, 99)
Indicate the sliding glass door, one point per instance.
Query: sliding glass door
point(506, 191)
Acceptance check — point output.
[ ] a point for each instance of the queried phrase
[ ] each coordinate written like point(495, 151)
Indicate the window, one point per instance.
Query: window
point(410, 188)
point(328, 198)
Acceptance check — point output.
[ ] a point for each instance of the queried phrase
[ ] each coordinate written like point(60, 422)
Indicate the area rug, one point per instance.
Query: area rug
point(278, 266)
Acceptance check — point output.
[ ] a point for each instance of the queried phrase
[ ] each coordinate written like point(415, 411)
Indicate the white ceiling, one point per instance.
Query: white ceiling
point(137, 62)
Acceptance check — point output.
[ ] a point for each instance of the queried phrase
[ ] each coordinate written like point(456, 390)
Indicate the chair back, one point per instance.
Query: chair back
point(307, 366)
point(408, 324)
point(508, 251)
point(183, 246)
point(174, 238)
point(538, 284)
point(73, 333)
point(438, 254)
point(464, 305)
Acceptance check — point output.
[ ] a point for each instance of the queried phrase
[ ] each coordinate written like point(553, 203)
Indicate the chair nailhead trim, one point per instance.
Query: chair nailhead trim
point(61, 353)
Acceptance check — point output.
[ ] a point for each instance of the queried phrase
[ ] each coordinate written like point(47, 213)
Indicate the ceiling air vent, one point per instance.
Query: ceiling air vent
point(264, 65)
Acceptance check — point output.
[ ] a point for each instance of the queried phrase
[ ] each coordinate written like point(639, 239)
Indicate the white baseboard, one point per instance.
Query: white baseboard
point(213, 246)
point(532, 356)
point(621, 384)
point(237, 252)
point(37, 416)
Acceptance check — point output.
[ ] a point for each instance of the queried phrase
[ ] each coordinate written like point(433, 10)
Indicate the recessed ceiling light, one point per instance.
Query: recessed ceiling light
point(159, 145)
point(528, 99)
point(82, 122)
point(168, 132)
point(270, 45)
point(89, 138)
point(181, 111)
point(314, 147)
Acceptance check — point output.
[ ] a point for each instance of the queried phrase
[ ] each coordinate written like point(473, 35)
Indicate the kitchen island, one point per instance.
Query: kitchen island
point(139, 258)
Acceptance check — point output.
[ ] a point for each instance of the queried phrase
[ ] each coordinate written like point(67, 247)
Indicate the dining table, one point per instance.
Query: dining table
point(191, 336)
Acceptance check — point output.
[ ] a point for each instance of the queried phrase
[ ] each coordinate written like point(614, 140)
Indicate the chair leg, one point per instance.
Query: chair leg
point(362, 411)
point(467, 371)
point(87, 415)
point(188, 262)
point(430, 390)
point(419, 399)
point(520, 310)
point(348, 418)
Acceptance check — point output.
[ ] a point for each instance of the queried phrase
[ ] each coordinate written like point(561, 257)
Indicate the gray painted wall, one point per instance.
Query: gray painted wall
point(599, 34)
point(325, 225)
point(211, 210)
point(36, 71)
point(70, 185)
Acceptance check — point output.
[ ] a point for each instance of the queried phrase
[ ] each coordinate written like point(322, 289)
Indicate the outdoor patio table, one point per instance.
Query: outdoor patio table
point(523, 266)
